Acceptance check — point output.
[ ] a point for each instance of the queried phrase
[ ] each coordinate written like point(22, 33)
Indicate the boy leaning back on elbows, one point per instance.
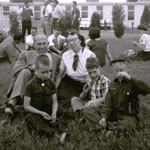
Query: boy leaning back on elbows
point(95, 89)
point(41, 99)
point(121, 107)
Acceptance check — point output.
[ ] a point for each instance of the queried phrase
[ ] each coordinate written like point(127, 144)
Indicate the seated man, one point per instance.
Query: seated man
point(73, 66)
point(23, 70)
point(143, 47)
point(29, 39)
point(57, 42)
point(8, 49)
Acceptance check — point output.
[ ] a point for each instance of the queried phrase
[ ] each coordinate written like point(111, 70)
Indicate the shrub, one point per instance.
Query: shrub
point(145, 18)
point(118, 19)
point(95, 20)
point(14, 23)
point(65, 23)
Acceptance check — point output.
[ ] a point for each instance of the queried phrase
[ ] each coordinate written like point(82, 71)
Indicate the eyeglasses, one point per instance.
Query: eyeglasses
point(72, 40)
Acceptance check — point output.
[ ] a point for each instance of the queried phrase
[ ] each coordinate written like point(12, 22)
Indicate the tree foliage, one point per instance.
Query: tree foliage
point(145, 19)
point(65, 23)
point(95, 20)
point(14, 23)
point(118, 17)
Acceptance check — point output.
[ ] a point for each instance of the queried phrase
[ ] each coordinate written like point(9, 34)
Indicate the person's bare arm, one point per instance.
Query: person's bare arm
point(108, 53)
point(60, 75)
point(54, 106)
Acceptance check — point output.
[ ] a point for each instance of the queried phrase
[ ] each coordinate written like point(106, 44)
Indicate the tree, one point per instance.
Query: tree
point(118, 17)
point(65, 23)
point(95, 20)
point(145, 19)
point(14, 23)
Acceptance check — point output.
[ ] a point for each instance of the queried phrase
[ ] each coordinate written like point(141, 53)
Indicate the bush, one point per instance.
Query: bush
point(65, 23)
point(95, 20)
point(14, 23)
point(118, 19)
point(142, 27)
point(145, 18)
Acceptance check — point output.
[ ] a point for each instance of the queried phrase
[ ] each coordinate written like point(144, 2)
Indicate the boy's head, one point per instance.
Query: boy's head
point(121, 64)
point(93, 68)
point(42, 67)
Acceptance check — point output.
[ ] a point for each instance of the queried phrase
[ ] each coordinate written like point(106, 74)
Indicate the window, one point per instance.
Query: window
point(84, 11)
point(68, 8)
point(130, 12)
point(37, 12)
point(100, 10)
point(6, 10)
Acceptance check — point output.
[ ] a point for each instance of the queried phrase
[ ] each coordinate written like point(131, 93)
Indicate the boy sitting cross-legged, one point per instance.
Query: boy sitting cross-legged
point(95, 90)
point(41, 99)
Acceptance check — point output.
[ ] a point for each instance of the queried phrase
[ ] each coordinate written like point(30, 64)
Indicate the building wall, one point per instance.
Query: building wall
point(105, 9)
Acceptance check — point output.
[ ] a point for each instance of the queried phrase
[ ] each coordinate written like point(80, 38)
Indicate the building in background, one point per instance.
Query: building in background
point(133, 10)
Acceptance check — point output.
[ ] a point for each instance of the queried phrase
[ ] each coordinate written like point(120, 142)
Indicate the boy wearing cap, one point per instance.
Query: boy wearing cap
point(121, 107)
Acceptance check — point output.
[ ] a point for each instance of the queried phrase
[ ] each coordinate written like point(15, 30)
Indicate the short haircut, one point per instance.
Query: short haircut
point(39, 34)
point(17, 37)
point(75, 3)
point(42, 59)
point(94, 33)
point(81, 38)
point(34, 27)
point(92, 62)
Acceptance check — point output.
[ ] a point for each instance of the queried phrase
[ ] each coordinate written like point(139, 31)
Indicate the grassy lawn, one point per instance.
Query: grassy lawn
point(15, 136)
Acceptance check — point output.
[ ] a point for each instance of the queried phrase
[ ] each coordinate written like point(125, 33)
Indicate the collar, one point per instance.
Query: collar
point(100, 80)
point(79, 53)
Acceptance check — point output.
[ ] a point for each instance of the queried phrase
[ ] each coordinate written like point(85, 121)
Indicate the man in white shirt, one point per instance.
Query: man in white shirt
point(29, 38)
point(73, 66)
point(57, 14)
point(143, 45)
point(48, 19)
point(57, 42)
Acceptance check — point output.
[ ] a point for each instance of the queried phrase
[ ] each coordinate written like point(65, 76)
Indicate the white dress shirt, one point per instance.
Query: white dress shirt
point(80, 74)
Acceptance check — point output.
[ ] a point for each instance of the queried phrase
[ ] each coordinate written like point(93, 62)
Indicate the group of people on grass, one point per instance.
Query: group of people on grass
point(42, 80)
point(46, 76)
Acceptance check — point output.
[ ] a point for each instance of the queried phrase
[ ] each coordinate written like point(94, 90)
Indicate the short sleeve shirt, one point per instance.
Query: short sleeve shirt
point(145, 40)
point(41, 94)
point(48, 10)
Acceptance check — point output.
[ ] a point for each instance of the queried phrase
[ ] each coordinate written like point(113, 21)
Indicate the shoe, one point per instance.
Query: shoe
point(9, 108)
point(62, 138)
point(109, 134)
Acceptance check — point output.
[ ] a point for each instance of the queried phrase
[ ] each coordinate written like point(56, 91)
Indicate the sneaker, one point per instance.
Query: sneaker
point(9, 108)
point(62, 138)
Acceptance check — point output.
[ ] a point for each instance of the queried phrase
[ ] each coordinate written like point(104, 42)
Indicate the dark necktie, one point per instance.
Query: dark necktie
point(75, 63)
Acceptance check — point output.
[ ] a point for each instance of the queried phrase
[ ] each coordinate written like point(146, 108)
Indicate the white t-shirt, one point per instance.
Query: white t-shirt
point(29, 41)
point(48, 10)
point(145, 40)
point(52, 37)
point(81, 73)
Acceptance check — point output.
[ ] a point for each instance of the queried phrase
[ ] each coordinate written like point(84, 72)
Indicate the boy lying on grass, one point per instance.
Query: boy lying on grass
point(95, 90)
point(41, 99)
point(121, 107)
